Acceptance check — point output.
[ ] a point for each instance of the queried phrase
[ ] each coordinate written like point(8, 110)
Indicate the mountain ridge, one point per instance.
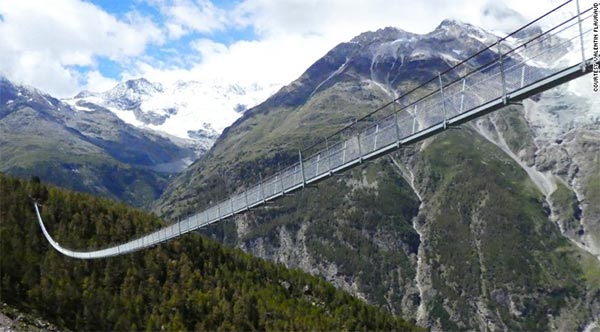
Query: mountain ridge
point(91, 151)
point(455, 259)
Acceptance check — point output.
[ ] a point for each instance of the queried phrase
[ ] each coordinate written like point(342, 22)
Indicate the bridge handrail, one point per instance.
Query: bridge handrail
point(405, 125)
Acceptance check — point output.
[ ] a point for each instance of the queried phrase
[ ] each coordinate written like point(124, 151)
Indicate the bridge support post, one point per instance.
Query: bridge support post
point(359, 149)
point(397, 126)
point(504, 100)
point(246, 199)
point(374, 141)
point(328, 156)
point(262, 189)
point(581, 37)
point(443, 100)
point(462, 95)
point(523, 75)
point(231, 205)
point(219, 210)
point(318, 159)
point(302, 169)
point(414, 119)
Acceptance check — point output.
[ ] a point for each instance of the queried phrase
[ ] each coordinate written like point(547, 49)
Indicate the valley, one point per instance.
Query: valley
point(490, 225)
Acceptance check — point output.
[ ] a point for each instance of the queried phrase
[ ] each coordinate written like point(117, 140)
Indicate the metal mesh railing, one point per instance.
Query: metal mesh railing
point(461, 90)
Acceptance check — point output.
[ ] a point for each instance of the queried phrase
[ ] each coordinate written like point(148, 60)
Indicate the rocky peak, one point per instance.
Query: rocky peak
point(387, 34)
point(452, 28)
point(133, 90)
point(129, 94)
point(84, 94)
point(12, 93)
point(142, 85)
point(450, 22)
point(528, 33)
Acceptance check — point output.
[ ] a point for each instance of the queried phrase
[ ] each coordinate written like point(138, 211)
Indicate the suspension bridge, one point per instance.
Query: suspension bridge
point(518, 69)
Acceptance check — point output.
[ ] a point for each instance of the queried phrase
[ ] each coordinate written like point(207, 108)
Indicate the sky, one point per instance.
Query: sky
point(66, 46)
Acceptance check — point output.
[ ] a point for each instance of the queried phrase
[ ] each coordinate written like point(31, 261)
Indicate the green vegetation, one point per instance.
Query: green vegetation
point(190, 283)
point(492, 258)
point(81, 167)
point(117, 181)
point(91, 152)
point(491, 237)
point(566, 207)
point(592, 191)
point(514, 128)
point(367, 234)
point(591, 269)
point(592, 194)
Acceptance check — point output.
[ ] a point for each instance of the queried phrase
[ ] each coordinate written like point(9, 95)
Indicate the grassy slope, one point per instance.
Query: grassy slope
point(187, 284)
point(61, 157)
point(490, 237)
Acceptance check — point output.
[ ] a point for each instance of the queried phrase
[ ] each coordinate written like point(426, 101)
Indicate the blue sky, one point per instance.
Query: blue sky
point(167, 52)
point(65, 46)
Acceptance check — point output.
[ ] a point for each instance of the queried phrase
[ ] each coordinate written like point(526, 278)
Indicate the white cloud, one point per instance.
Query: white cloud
point(39, 43)
point(187, 16)
point(292, 34)
point(273, 61)
point(350, 17)
point(208, 48)
point(95, 81)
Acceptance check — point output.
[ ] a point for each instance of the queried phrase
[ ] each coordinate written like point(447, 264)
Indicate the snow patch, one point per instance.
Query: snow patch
point(75, 107)
point(449, 58)
point(48, 101)
point(591, 327)
point(336, 72)
point(127, 117)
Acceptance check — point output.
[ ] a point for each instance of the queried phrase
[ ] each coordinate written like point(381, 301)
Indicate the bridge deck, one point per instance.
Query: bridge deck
point(462, 93)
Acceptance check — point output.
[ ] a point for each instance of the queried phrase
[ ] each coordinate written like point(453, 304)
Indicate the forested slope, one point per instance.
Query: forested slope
point(190, 283)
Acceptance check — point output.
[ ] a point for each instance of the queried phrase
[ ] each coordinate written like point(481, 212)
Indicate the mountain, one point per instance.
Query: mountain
point(188, 284)
point(492, 226)
point(92, 151)
point(189, 110)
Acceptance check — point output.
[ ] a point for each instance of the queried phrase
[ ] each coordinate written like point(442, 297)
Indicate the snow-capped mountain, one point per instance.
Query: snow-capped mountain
point(190, 110)
point(91, 151)
point(490, 200)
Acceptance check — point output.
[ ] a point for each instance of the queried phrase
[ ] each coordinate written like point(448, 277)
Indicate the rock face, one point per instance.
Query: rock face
point(14, 320)
point(556, 139)
point(92, 151)
point(490, 227)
